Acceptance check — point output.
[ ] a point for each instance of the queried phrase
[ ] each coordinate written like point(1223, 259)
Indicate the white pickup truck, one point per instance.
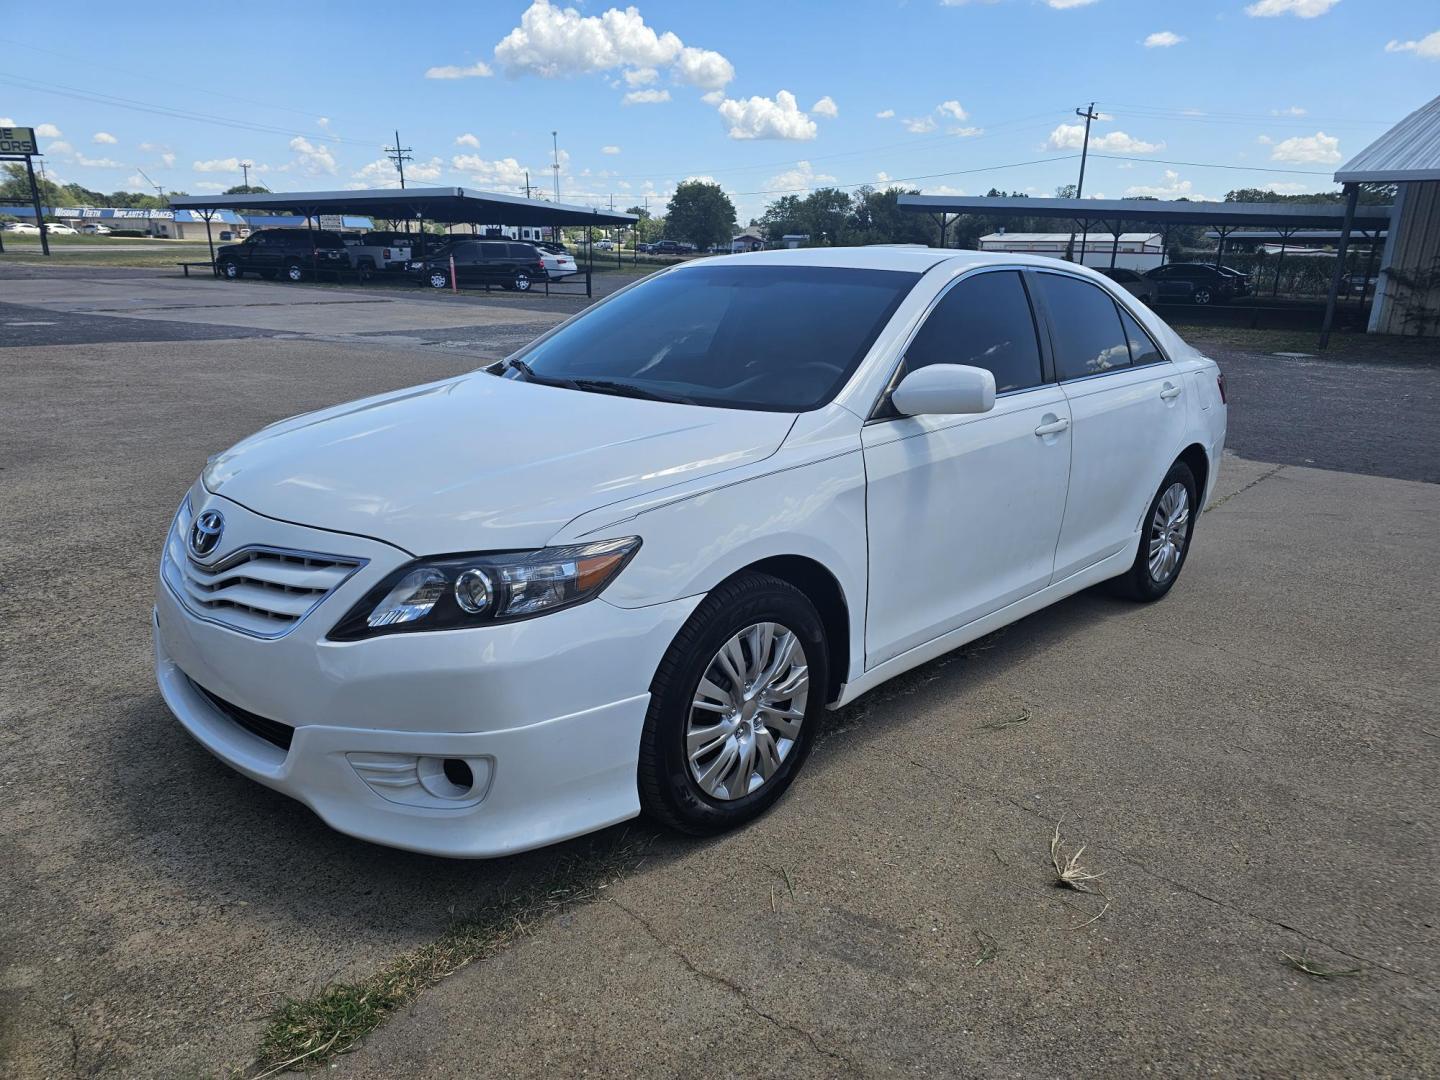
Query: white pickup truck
point(377, 251)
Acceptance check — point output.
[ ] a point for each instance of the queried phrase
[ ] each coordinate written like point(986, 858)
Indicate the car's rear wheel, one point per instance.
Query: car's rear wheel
point(230, 269)
point(734, 706)
point(438, 279)
point(1165, 541)
point(1202, 295)
point(522, 281)
point(294, 272)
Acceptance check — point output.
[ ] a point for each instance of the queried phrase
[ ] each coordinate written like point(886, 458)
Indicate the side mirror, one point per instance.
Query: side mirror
point(944, 389)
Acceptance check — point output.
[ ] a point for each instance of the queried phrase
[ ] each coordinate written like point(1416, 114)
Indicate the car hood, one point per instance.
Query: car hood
point(480, 463)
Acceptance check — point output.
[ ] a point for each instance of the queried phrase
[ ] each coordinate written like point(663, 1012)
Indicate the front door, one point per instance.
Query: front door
point(1127, 413)
point(963, 512)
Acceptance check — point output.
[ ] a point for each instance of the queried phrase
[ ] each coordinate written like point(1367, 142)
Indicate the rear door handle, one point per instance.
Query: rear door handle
point(1053, 428)
point(1170, 392)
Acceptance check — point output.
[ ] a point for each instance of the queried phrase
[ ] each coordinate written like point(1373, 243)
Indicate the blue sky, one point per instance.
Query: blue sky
point(763, 97)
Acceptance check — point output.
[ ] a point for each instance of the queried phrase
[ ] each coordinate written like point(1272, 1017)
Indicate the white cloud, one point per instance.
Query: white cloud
point(554, 42)
point(104, 137)
point(6, 121)
point(1172, 187)
point(467, 140)
point(1162, 39)
point(1427, 47)
point(98, 163)
point(1304, 9)
point(381, 173)
point(1061, 5)
point(59, 147)
point(966, 132)
point(1319, 148)
point(801, 178)
point(610, 149)
point(943, 189)
point(1287, 187)
point(1293, 110)
point(919, 125)
point(323, 121)
point(1264, 140)
point(48, 131)
point(826, 107)
point(953, 110)
point(229, 164)
point(645, 97)
point(767, 118)
point(168, 159)
point(312, 159)
point(1072, 137)
point(138, 181)
point(714, 97)
point(885, 114)
point(641, 76)
point(504, 172)
point(477, 70)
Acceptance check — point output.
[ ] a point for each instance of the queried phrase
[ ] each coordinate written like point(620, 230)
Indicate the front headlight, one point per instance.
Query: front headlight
point(460, 591)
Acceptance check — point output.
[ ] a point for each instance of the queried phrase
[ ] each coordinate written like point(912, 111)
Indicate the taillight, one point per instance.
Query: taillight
point(1220, 382)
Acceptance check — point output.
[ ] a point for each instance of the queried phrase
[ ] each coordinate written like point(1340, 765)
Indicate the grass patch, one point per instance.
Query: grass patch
point(305, 1033)
point(1347, 345)
point(1315, 969)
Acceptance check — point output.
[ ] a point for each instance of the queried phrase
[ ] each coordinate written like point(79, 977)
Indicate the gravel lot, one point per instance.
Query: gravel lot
point(1252, 764)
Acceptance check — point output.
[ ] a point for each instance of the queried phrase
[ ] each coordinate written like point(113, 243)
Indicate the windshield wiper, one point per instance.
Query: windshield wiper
point(530, 376)
point(619, 389)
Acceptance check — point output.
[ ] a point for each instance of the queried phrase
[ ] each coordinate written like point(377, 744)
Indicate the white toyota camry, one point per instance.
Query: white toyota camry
point(629, 567)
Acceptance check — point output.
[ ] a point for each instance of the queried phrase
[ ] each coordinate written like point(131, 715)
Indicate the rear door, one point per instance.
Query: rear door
point(494, 264)
point(1127, 414)
point(963, 512)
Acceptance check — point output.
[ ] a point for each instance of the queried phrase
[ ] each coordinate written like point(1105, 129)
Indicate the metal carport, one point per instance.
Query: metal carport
point(446, 206)
point(1222, 217)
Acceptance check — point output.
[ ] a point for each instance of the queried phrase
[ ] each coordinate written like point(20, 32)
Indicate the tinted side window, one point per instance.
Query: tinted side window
point(1142, 349)
point(984, 322)
point(493, 251)
point(1088, 337)
point(523, 251)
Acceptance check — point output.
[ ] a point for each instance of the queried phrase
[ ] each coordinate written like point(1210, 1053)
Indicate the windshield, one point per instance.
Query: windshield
point(780, 338)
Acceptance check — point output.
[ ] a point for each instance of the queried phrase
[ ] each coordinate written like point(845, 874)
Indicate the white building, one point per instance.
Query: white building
point(1135, 251)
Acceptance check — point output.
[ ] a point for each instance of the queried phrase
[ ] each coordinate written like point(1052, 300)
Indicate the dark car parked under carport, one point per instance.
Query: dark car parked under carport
point(1198, 283)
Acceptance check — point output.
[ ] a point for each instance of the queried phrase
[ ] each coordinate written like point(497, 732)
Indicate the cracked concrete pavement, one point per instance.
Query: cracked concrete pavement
point(1251, 764)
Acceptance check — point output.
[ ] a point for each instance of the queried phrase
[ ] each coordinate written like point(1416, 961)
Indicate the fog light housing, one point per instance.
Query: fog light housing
point(434, 783)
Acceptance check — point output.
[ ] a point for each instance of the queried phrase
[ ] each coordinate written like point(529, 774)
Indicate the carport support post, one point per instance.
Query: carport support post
point(1352, 196)
point(210, 240)
point(311, 213)
point(1220, 247)
point(1114, 243)
point(1285, 235)
point(589, 257)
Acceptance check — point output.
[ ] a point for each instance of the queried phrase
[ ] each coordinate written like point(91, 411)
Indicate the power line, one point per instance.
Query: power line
point(1209, 165)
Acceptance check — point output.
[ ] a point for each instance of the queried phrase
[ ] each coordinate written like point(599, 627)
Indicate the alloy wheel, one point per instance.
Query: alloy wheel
point(438, 281)
point(1202, 296)
point(294, 272)
point(1169, 531)
point(522, 282)
point(747, 711)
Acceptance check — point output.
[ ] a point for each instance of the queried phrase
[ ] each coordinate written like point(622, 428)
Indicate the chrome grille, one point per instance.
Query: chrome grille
point(259, 590)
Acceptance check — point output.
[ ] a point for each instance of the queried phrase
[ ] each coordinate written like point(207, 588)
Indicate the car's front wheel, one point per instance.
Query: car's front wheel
point(1202, 295)
point(438, 279)
point(230, 269)
point(734, 706)
point(1165, 541)
point(294, 272)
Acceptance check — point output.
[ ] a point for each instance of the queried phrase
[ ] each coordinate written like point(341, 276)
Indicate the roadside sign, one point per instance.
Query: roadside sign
point(18, 140)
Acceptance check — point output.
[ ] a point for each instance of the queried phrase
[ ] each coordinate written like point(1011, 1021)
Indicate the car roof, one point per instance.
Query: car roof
point(911, 257)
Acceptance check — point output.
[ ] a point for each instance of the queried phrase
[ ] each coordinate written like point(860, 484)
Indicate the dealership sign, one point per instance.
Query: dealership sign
point(18, 140)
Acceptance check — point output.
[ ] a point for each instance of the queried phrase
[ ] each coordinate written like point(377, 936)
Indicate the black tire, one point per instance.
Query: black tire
point(366, 269)
point(1139, 583)
point(668, 791)
point(437, 279)
point(1202, 295)
point(522, 281)
point(230, 270)
point(294, 271)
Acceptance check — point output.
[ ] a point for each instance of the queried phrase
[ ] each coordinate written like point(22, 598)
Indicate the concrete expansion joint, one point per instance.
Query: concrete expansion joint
point(1258, 480)
point(739, 992)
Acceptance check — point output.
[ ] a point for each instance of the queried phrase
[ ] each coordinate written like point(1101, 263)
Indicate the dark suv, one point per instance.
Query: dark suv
point(1198, 283)
point(481, 262)
point(292, 253)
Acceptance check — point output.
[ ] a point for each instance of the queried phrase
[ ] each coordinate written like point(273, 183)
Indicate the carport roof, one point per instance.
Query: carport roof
point(1264, 215)
point(448, 205)
point(1408, 151)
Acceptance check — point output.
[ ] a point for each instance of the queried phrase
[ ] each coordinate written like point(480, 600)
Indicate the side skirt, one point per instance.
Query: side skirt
point(1104, 570)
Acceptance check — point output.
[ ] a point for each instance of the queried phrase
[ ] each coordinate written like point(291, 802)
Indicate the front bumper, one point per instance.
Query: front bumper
point(548, 711)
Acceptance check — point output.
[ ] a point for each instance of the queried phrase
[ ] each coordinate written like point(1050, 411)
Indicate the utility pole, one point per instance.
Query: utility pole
point(1089, 114)
point(245, 167)
point(160, 191)
point(399, 154)
point(555, 147)
point(527, 183)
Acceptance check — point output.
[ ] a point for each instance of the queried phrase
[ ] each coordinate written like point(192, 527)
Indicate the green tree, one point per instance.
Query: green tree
point(825, 216)
point(247, 189)
point(781, 218)
point(876, 218)
point(700, 213)
point(647, 229)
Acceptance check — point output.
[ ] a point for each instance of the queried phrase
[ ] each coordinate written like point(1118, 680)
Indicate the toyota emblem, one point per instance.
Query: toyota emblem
point(205, 533)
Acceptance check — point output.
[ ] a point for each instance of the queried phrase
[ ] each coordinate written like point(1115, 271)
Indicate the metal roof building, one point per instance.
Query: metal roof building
point(1407, 298)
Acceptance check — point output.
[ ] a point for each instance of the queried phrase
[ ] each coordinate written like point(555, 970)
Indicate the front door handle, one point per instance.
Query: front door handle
point(1054, 427)
point(1170, 393)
